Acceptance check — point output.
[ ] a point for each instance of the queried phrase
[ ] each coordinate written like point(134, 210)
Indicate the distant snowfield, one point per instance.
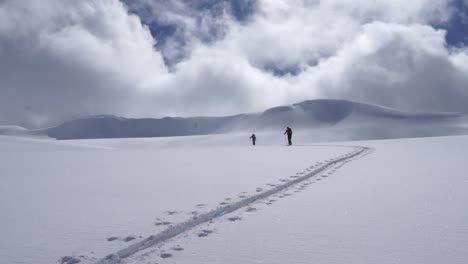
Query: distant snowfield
point(325, 120)
point(400, 201)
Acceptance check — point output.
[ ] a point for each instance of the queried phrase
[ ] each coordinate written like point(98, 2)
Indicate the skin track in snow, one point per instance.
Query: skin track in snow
point(178, 229)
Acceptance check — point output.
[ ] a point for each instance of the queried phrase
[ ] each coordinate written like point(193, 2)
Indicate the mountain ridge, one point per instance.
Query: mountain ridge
point(309, 114)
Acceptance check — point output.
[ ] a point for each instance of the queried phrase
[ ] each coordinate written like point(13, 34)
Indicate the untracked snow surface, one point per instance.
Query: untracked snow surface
point(215, 199)
point(326, 120)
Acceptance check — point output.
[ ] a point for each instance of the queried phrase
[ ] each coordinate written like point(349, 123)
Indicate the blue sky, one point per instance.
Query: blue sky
point(61, 59)
point(457, 26)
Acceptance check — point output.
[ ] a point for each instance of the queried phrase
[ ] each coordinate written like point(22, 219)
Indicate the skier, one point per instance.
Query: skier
point(254, 138)
point(289, 133)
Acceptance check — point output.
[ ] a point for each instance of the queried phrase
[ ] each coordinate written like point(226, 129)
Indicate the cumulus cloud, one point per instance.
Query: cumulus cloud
point(407, 67)
point(178, 24)
point(63, 58)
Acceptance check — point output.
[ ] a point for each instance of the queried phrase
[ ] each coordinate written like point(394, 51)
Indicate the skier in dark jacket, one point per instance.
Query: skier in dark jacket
point(254, 138)
point(289, 133)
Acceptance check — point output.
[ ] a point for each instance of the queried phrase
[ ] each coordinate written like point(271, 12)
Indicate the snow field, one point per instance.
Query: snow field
point(86, 200)
point(405, 202)
point(212, 215)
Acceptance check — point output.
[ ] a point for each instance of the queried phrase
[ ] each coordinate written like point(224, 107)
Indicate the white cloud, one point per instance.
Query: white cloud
point(404, 66)
point(62, 58)
point(65, 58)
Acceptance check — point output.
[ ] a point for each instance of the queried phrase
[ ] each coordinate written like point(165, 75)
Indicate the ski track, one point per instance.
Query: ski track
point(173, 231)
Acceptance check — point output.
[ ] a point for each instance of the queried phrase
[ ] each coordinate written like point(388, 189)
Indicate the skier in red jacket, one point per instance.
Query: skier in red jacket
point(254, 139)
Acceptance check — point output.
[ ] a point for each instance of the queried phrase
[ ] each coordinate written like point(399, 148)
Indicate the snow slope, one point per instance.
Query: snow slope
point(139, 200)
point(174, 200)
point(404, 202)
point(61, 198)
point(20, 131)
point(346, 119)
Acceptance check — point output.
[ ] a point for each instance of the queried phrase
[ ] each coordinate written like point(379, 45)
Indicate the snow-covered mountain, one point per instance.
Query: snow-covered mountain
point(353, 119)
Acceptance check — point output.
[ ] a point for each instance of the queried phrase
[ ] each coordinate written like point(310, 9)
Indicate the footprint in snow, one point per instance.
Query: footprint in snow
point(177, 248)
point(223, 203)
point(234, 218)
point(251, 209)
point(242, 195)
point(172, 212)
point(69, 260)
point(201, 205)
point(112, 238)
point(162, 223)
point(165, 255)
point(128, 239)
point(227, 199)
point(205, 233)
point(259, 190)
